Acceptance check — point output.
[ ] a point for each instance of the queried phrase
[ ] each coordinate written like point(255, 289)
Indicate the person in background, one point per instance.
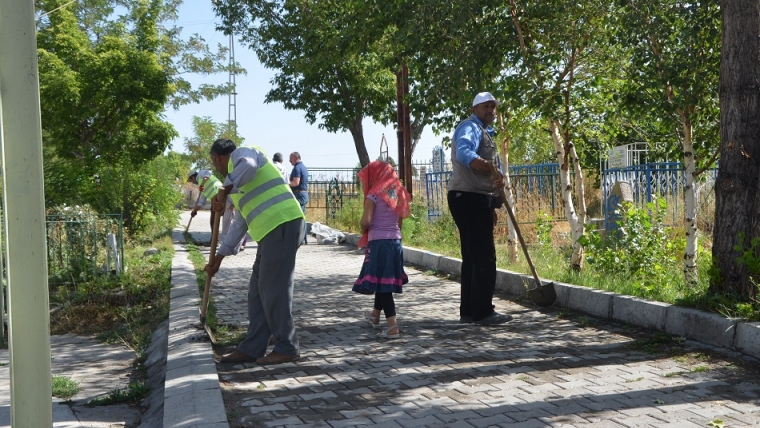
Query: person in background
point(273, 218)
point(277, 161)
point(299, 183)
point(473, 198)
point(208, 186)
point(386, 204)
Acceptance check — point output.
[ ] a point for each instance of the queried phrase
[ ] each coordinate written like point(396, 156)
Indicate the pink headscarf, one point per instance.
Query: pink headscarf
point(378, 178)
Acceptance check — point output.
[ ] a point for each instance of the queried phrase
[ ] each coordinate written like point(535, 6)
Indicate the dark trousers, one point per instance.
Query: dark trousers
point(384, 302)
point(473, 214)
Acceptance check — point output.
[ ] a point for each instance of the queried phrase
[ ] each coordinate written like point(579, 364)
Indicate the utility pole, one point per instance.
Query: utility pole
point(232, 95)
point(24, 218)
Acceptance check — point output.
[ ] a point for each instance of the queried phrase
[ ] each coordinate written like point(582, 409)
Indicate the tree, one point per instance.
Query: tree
point(737, 195)
point(206, 131)
point(102, 99)
point(674, 75)
point(318, 68)
point(557, 69)
point(107, 70)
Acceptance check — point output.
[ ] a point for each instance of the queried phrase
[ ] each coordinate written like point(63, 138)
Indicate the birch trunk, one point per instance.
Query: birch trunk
point(580, 197)
point(689, 190)
point(576, 259)
point(512, 232)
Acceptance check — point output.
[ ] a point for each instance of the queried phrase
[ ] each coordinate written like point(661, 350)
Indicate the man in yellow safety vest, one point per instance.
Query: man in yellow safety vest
point(208, 186)
point(273, 218)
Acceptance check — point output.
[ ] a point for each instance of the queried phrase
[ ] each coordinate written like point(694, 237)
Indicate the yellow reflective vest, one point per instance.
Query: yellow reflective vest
point(265, 202)
point(211, 188)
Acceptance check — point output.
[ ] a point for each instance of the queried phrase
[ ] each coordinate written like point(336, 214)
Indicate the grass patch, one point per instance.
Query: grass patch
point(124, 310)
point(225, 335)
point(64, 387)
point(134, 394)
point(634, 380)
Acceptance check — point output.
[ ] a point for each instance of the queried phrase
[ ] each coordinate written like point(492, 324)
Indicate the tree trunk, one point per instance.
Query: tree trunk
point(737, 201)
point(690, 215)
point(511, 231)
point(357, 131)
point(580, 196)
point(576, 259)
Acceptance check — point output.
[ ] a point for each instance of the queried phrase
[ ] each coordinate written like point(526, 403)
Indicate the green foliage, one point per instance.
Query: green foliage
point(749, 254)
point(147, 196)
point(334, 79)
point(134, 394)
point(440, 233)
point(673, 71)
point(102, 98)
point(544, 226)
point(77, 242)
point(642, 249)
point(206, 131)
point(122, 310)
point(348, 218)
point(107, 70)
point(64, 387)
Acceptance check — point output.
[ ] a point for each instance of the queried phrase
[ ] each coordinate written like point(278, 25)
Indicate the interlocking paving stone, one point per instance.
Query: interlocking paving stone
point(547, 367)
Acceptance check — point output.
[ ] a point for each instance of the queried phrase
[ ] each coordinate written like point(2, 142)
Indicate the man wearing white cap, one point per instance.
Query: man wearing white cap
point(473, 197)
point(208, 185)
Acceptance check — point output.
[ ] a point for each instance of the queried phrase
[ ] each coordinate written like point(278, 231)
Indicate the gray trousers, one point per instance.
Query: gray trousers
point(270, 292)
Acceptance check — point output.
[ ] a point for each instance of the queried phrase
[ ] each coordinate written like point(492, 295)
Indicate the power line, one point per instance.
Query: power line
point(59, 7)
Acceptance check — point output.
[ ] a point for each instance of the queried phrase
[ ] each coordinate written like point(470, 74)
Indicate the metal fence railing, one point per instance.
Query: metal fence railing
point(537, 184)
point(664, 180)
point(82, 247)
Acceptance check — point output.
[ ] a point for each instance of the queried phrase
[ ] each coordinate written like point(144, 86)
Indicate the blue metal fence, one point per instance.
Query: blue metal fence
point(540, 182)
point(661, 179)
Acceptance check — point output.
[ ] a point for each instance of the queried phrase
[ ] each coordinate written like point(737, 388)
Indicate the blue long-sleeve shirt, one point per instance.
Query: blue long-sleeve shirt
point(467, 139)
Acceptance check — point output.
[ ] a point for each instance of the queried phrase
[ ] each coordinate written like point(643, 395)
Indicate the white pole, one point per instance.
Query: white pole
point(24, 217)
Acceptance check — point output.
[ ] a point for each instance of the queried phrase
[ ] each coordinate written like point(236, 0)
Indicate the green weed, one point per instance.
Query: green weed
point(134, 394)
point(64, 387)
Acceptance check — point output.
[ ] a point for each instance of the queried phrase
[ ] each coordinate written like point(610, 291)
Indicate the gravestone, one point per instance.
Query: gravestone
point(621, 192)
point(439, 159)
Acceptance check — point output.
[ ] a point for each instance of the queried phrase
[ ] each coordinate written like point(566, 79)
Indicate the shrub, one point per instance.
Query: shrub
point(642, 249)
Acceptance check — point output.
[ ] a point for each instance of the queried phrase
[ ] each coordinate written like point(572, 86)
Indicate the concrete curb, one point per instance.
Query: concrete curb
point(192, 395)
point(693, 324)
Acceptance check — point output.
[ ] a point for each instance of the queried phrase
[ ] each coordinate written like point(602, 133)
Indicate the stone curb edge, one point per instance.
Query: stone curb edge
point(192, 394)
point(693, 324)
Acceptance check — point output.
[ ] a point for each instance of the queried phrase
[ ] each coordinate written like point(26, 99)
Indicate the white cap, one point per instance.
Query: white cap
point(192, 173)
point(484, 97)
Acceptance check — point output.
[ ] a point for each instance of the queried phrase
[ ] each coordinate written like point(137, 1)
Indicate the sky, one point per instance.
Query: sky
point(271, 126)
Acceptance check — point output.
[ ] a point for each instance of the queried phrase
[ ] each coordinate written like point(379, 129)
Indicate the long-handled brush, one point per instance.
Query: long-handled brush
point(207, 287)
point(200, 192)
point(542, 294)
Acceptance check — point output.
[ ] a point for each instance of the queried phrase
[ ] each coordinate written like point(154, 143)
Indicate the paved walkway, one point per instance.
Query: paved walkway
point(98, 369)
point(548, 367)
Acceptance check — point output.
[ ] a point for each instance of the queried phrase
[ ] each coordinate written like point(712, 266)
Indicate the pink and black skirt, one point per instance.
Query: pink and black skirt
point(383, 268)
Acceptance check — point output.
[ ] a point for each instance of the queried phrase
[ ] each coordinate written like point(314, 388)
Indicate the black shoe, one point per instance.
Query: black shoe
point(494, 319)
point(465, 320)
